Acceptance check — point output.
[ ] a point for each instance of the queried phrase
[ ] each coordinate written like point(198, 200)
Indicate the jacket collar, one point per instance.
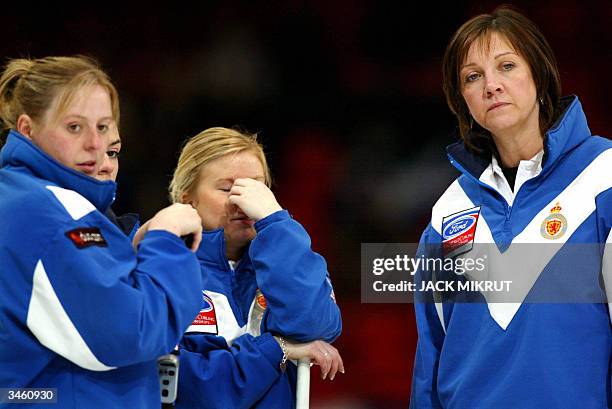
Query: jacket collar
point(18, 151)
point(569, 131)
point(128, 223)
point(212, 249)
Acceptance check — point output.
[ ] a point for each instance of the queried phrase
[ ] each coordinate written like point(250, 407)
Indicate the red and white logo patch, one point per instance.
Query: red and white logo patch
point(206, 321)
point(86, 237)
point(459, 231)
point(261, 301)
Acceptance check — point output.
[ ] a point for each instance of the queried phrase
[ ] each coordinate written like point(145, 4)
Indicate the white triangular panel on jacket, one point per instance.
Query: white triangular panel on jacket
point(75, 204)
point(227, 324)
point(577, 201)
point(53, 327)
point(606, 269)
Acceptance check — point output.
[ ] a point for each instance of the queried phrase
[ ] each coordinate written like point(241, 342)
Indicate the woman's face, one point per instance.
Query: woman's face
point(79, 138)
point(210, 198)
point(110, 165)
point(498, 88)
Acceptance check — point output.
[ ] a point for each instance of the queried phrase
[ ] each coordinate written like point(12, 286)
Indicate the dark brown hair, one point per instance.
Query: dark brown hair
point(527, 41)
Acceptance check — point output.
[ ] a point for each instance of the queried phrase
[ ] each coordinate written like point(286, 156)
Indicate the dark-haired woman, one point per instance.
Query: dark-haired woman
point(534, 193)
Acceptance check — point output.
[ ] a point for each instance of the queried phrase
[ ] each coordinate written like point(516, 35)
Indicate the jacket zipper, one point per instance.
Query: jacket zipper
point(461, 169)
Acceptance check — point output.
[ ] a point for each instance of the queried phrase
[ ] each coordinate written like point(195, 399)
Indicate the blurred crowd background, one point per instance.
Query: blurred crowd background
point(346, 98)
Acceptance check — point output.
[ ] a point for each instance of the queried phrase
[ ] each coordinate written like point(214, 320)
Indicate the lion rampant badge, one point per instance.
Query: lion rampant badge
point(554, 225)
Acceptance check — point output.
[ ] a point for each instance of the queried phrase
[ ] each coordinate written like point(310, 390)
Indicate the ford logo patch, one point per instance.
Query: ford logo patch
point(458, 226)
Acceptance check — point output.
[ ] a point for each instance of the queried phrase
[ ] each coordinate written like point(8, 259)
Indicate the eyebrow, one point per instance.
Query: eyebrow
point(495, 58)
point(115, 142)
point(106, 118)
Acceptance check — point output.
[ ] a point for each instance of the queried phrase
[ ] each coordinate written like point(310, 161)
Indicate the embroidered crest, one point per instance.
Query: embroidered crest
point(458, 231)
point(554, 225)
point(206, 321)
point(260, 300)
point(256, 313)
point(86, 237)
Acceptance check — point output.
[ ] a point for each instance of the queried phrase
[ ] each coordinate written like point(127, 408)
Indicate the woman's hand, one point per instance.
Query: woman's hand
point(179, 219)
point(254, 198)
point(320, 353)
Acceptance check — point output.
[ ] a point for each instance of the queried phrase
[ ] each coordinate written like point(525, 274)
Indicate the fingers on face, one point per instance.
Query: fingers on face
point(243, 182)
point(249, 183)
point(236, 190)
point(233, 200)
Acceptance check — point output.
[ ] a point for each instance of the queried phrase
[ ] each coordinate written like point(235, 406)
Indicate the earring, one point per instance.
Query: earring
point(541, 100)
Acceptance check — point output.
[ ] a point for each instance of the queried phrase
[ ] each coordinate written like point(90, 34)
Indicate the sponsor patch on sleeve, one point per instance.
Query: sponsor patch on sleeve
point(261, 300)
point(458, 231)
point(86, 236)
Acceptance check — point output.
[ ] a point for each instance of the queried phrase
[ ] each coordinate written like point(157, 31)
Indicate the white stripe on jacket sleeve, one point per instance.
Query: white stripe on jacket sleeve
point(52, 326)
point(75, 204)
point(606, 271)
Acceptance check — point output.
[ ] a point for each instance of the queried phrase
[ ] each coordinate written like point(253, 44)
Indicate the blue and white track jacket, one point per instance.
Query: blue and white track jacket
point(80, 310)
point(526, 354)
point(228, 357)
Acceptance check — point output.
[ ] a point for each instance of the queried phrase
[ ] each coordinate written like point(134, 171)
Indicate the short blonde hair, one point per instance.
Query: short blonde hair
point(30, 86)
point(205, 147)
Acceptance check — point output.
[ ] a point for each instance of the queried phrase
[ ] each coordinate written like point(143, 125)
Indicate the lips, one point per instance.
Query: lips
point(243, 219)
point(497, 105)
point(87, 167)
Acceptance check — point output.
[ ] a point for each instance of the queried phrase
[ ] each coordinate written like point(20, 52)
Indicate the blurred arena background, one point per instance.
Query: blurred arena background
point(346, 97)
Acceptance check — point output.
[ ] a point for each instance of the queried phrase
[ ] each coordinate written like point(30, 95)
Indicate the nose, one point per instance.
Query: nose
point(94, 141)
point(493, 84)
point(106, 167)
point(231, 208)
